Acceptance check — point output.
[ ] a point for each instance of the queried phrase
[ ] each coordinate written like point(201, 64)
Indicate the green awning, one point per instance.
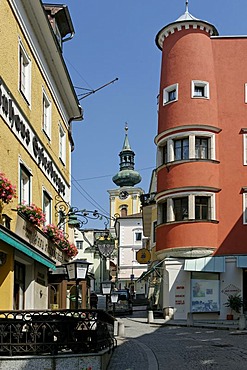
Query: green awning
point(14, 242)
point(146, 274)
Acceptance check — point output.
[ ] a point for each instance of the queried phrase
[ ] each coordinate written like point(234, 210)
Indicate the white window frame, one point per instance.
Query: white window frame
point(245, 93)
point(24, 73)
point(46, 114)
point(25, 184)
point(245, 149)
point(62, 144)
point(245, 208)
point(47, 208)
point(137, 231)
point(169, 141)
point(166, 92)
point(79, 244)
point(199, 83)
point(191, 206)
point(139, 234)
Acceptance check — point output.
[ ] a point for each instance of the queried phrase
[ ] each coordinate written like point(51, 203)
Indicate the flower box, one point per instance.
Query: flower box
point(32, 213)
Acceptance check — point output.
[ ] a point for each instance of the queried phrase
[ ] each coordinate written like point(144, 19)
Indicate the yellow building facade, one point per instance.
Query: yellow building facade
point(37, 105)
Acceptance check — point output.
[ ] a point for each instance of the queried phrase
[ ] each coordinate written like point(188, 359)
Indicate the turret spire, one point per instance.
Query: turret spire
point(187, 6)
point(126, 144)
point(127, 176)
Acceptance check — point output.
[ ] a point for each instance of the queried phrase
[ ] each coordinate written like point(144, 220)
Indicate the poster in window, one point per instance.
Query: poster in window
point(205, 295)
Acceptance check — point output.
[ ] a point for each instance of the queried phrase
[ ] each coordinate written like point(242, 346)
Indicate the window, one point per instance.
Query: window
point(181, 208)
point(205, 292)
point(181, 149)
point(202, 208)
point(164, 212)
point(25, 185)
point(79, 244)
point(245, 208)
point(245, 93)
point(47, 207)
point(193, 206)
point(200, 89)
point(201, 148)
point(62, 144)
point(124, 211)
point(245, 149)
point(196, 145)
point(154, 231)
point(24, 73)
point(138, 236)
point(170, 94)
point(164, 154)
point(46, 115)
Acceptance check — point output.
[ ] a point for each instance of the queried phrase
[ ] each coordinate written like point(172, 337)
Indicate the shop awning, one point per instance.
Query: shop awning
point(206, 264)
point(14, 242)
point(146, 274)
point(242, 262)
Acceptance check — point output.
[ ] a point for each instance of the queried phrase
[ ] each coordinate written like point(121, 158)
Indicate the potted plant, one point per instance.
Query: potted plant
point(234, 302)
point(32, 213)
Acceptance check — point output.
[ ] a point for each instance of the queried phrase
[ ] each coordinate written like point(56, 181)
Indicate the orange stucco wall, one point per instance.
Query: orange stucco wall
point(190, 234)
point(194, 173)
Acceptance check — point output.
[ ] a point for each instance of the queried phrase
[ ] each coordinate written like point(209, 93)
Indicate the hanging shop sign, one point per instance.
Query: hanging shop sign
point(22, 129)
point(143, 256)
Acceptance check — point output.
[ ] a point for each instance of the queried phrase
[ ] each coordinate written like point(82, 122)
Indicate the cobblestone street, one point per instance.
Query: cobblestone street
point(156, 347)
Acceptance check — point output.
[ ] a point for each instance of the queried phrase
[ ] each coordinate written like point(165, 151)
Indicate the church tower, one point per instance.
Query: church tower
point(125, 199)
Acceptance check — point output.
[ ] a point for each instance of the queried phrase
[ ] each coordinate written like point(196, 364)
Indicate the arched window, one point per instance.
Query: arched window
point(123, 211)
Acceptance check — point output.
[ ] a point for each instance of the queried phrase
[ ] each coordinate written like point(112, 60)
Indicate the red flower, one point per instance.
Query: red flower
point(7, 190)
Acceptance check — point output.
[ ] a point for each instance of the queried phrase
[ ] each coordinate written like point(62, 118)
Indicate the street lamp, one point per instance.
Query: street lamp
point(114, 300)
point(106, 287)
point(77, 271)
point(105, 244)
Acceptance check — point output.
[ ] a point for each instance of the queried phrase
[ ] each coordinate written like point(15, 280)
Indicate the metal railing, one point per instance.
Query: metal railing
point(38, 332)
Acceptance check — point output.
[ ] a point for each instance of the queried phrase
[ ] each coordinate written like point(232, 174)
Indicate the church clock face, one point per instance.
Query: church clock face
point(123, 194)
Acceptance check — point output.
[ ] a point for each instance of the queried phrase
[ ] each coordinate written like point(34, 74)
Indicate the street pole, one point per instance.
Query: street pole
point(77, 294)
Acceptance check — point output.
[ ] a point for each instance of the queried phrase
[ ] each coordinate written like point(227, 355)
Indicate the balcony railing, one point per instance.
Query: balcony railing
point(52, 332)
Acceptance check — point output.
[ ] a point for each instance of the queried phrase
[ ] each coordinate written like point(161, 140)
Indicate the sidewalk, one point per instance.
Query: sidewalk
point(144, 317)
point(221, 324)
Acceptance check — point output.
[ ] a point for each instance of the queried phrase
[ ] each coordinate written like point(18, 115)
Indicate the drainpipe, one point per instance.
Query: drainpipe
point(78, 118)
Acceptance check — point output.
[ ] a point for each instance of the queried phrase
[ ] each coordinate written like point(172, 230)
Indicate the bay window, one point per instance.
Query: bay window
point(194, 206)
point(194, 145)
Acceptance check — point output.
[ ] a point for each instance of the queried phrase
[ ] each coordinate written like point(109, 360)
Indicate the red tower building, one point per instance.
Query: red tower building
point(201, 167)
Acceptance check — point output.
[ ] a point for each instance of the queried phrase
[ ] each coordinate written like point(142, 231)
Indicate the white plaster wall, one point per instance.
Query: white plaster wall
point(230, 280)
point(176, 286)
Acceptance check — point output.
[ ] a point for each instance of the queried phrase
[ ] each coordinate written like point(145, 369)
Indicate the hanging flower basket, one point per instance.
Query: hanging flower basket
point(32, 213)
point(57, 237)
point(7, 190)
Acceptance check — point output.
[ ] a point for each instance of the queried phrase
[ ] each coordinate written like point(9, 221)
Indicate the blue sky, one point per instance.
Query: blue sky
point(116, 39)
